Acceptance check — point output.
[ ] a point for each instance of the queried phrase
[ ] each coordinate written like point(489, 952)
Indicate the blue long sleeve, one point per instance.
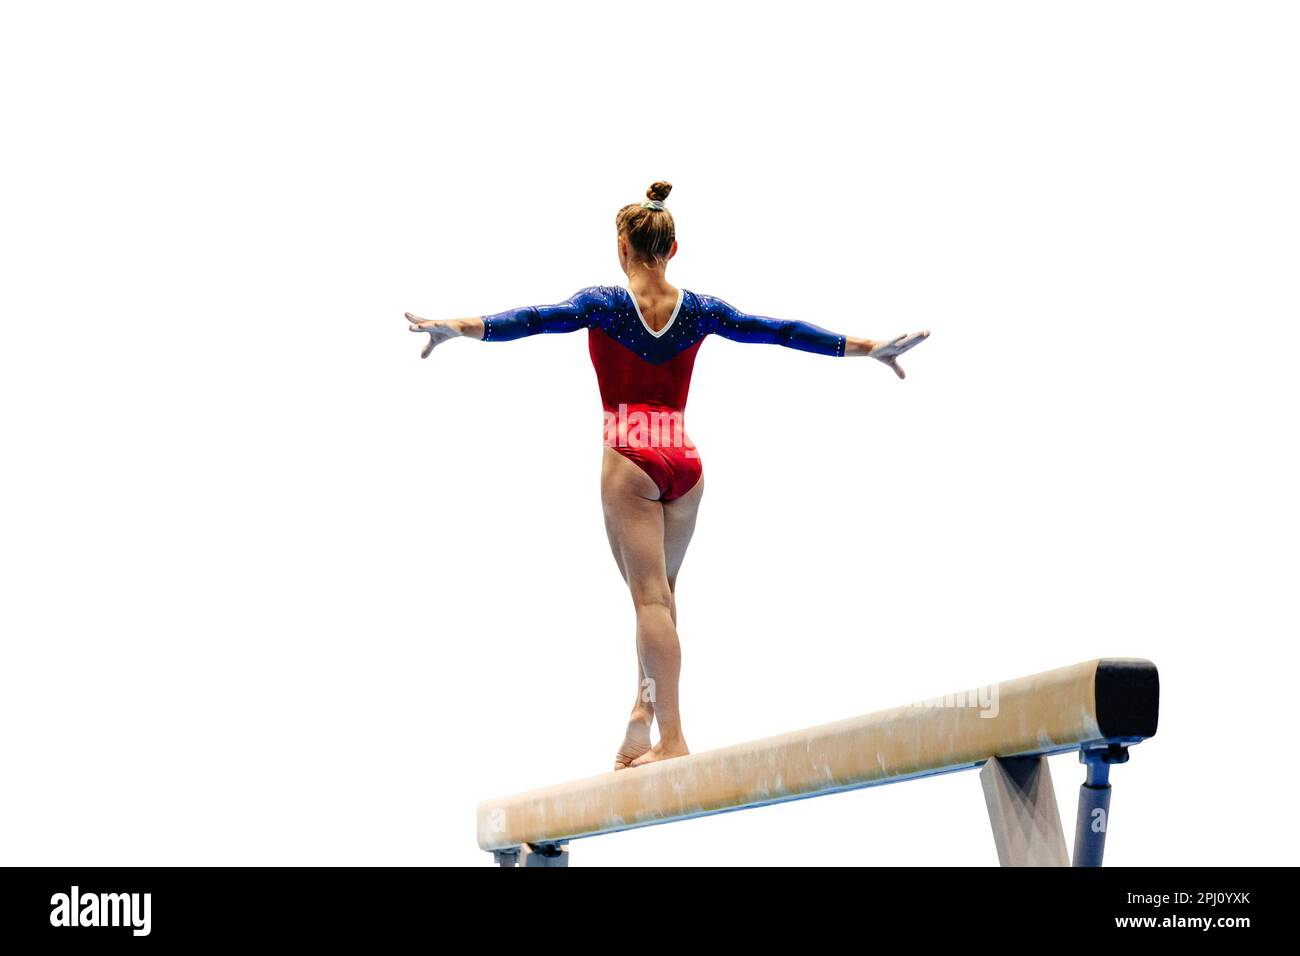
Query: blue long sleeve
point(729, 322)
point(579, 311)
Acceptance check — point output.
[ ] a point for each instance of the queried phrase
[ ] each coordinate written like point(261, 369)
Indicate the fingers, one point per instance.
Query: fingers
point(427, 326)
point(911, 340)
point(898, 369)
point(905, 342)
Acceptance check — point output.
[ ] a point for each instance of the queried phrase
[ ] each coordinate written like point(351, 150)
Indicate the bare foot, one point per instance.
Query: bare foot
point(635, 743)
point(661, 751)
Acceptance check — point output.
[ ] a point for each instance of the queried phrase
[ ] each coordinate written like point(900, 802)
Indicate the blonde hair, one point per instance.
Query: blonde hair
point(650, 231)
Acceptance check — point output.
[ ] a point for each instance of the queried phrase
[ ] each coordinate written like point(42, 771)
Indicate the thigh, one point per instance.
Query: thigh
point(679, 526)
point(634, 521)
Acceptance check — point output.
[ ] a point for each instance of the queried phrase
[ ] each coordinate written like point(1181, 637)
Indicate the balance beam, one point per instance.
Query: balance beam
point(1098, 708)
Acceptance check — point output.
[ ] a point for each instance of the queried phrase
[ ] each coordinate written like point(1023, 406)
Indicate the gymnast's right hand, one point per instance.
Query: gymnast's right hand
point(439, 330)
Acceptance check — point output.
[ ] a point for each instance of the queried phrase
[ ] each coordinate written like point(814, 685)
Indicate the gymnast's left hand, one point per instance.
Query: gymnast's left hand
point(889, 351)
point(439, 330)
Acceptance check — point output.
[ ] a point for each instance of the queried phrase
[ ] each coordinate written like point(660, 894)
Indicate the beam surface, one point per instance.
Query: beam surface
point(1107, 700)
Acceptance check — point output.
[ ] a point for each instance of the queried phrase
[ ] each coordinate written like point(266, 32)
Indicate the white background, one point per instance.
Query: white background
point(276, 591)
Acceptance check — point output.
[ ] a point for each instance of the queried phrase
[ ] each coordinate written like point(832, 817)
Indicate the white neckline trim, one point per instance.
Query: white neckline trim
point(671, 319)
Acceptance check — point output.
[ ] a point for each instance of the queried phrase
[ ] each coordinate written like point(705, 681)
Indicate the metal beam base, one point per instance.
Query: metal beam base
point(1094, 803)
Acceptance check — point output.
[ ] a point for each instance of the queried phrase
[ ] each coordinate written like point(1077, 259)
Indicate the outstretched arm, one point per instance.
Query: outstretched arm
point(575, 312)
point(731, 323)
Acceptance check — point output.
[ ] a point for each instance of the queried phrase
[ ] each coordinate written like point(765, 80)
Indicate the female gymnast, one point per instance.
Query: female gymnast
point(643, 340)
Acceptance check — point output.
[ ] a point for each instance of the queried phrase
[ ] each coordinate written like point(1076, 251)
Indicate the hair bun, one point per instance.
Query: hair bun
point(658, 192)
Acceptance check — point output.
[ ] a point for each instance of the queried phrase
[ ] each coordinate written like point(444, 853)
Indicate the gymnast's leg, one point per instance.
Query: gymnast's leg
point(634, 519)
point(679, 526)
point(637, 739)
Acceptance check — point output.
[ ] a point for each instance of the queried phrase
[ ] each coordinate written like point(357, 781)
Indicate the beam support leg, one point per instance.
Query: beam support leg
point(541, 854)
point(1094, 803)
point(508, 857)
point(1023, 812)
point(532, 855)
point(545, 854)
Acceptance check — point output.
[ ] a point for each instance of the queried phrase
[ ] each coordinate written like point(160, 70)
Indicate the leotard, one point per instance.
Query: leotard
point(644, 375)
